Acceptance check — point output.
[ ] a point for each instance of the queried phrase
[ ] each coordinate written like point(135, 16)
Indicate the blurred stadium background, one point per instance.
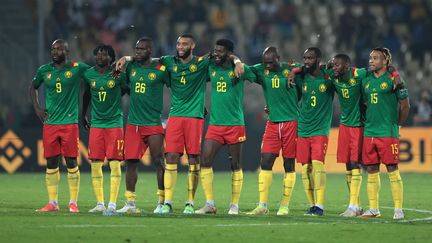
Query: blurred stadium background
point(28, 27)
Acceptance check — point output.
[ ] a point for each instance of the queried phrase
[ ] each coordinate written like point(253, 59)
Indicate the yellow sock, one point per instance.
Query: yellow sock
point(288, 184)
point(396, 186)
point(319, 177)
point(207, 182)
point(348, 178)
point(373, 188)
point(236, 184)
point(52, 179)
point(308, 183)
point(264, 181)
point(130, 196)
point(74, 183)
point(170, 179)
point(193, 177)
point(97, 180)
point(115, 180)
point(356, 181)
point(161, 195)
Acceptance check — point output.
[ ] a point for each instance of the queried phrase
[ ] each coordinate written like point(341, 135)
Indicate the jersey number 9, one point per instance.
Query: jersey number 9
point(58, 87)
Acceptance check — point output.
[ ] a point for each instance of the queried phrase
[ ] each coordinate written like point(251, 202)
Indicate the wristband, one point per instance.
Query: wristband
point(395, 74)
point(237, 61)
point(296, 70)
point(128, 58)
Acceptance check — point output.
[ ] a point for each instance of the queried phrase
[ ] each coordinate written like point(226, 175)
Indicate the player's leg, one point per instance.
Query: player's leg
point(52, 153)
point(52, 179)
point(303, 155)
point(389, 151)
point(270, 148)
point(289, 146)
point(210, 149)
point(288, 185)
point(370, 159)
point(235, 155)
point(155, 143)
point(114, 152)
point(69, 143)
point(193, 129)
point(97, 156)
point(318, 151)
point(174, 149)
point(134, 150)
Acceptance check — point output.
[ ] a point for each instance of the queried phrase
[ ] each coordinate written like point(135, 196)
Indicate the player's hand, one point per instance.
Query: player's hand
point(290, 80)
point(239, 69)
point(115, 73)
point(42, 114)
point(120, 64)
point(397, 83)
point(266, 110)
point(85, 123)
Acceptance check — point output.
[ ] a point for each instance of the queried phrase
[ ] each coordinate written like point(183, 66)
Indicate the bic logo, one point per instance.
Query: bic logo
point(13, 152)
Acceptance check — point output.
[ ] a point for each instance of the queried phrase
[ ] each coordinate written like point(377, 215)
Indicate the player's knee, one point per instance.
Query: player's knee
point(172, 158)
point(71, 162)
point(53, 162)
point(235, 165)
point(157, 160)
point(352, 165)
point(194, 159)
point(289, 165)
point(391, 168)
point(372, 168)
point(267, 161)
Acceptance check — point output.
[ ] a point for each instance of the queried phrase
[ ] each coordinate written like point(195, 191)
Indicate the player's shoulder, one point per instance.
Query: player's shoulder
point(157, 65)
point(258, 67)
point(45, 67)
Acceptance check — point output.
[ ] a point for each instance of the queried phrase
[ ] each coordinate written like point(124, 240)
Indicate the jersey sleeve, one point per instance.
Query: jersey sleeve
point(166, 60)
point(360, 73)
point(38, 78)
point(249, 74)
point(257, 69)
point(402, 94)
point(83, 66)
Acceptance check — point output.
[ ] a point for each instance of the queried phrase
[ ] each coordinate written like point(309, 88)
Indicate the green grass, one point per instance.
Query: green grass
point(21, 194)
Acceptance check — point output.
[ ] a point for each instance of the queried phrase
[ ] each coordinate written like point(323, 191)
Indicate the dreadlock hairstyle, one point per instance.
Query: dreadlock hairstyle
point(109, 49)
point(386, 52)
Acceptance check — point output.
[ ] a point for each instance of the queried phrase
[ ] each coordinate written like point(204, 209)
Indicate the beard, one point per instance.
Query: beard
point(311, 68)
point(185, 55)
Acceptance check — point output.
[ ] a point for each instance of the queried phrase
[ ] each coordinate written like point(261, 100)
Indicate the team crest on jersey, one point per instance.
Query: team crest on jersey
point(231, 74)
point(214, 74)
point(322, 88)
point(285, 73)
point(93, 83)
point(352, 82)
point(266, 72)
point(68, 74)
point(152, 76)
point(383, 85)
point(175, 68)
point(49, 76)
point(192, 67)
point(133, 73)
point(111, 84)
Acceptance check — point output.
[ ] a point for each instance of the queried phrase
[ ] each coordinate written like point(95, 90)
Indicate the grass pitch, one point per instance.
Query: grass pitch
point(21, 194)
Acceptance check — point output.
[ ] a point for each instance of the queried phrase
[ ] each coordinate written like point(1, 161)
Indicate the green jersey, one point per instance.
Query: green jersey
point(227, 91)
point(146, 93)
point(188, 85)
point(350, 97)
point(382, 113)
point(281, 100)
point(62, 87)
point(316, 105)
point(106, 93)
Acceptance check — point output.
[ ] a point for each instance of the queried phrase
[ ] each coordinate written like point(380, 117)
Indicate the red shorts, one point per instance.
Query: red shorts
point(380, 150)
point(350, 142)
point(184, 133)
point(280, 135)
point(135, 139)
point(312, 148)
point(226, 134)
point(106, 142)
point(60, 140)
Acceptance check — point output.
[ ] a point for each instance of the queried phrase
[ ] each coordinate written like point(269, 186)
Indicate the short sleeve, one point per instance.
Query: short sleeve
point(38, 78)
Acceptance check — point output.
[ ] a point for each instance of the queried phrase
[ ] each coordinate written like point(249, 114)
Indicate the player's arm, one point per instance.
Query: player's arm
point(40, 112)
point(85, 105)
point(397, 81)
point(295, 72)
point(404, 107)
point(239, 66)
